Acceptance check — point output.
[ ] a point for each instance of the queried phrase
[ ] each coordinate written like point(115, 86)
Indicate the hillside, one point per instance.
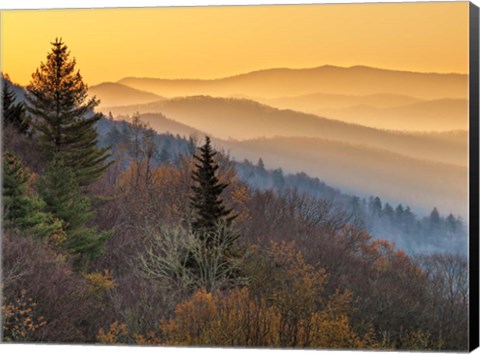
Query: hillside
point(244, 119)
point(328, 167)
point(272, 83)
point(439, 115)
point(459, 136)
point(316, 101)
point(364, 171)
point(383, 111)
point(114, 94)
point(420, 183)
point(164, 125)
point(17, 89)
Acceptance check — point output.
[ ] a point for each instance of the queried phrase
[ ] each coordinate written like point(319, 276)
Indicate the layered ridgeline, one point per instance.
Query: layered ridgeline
point(410, 228)
point(420, 169)
point(241, 119)
point(387, 99)
point(382, 110)
point(365, 171)
point(114, 94)
point(272, 83)
point(330, 122)
point(382, 163)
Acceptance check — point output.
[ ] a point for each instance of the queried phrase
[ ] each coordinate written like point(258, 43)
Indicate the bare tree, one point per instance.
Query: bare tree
point(176, 257)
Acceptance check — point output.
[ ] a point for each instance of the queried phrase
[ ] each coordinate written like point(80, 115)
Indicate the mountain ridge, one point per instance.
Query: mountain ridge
point(242, 119)
point(278, 82)
point(327, 66)
point(419, 182)
point(111, 93)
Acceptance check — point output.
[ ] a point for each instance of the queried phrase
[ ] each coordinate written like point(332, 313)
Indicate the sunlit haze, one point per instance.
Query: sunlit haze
point(212, 42)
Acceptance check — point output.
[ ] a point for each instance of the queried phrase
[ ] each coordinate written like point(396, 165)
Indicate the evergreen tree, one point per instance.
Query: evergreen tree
point(260, 164)
point(206, 200)
point(22, 210)
point(388, 211)
point(13, 113)
point(375, 205)
point(277, 177)
point(191, 146)
point(434, 218)
point(399, 213)
point(451, 223)
point(61, 192)
point(409, 218)
point(64, 117)
point(355, 204)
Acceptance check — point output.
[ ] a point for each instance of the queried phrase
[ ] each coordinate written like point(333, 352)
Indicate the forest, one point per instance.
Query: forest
point(116, 234)
point(414, 232)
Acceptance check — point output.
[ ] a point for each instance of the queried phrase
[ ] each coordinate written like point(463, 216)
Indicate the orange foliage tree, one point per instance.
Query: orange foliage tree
point(281, 308)
point(20, 319)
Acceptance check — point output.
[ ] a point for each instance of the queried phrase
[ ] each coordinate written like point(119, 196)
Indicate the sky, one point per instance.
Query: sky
point(213, 42)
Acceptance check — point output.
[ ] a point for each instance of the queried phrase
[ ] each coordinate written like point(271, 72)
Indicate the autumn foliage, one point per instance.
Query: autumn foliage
point(20, 320)
point(122, 259)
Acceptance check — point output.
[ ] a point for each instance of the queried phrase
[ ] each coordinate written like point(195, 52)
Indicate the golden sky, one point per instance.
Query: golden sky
point(212, 42)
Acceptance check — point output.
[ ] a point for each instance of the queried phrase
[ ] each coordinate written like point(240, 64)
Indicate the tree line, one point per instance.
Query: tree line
point(414, 233)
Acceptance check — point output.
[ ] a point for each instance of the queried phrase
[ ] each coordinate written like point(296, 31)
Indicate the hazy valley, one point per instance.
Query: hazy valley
point(332, 136)
point(393, 112)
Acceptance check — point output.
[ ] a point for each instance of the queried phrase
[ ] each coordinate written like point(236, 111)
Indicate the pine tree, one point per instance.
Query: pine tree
point(375, 205)
point(13, 113)
point(399, 213)
point(434, 218)
point(61, 192)
point(22, 210)
point(64, 117)
point(388, 211)
point(260, 164)
point(409, 220)
point(278, 179)
point(191, 145)
point(451, 223)
point(206, 200)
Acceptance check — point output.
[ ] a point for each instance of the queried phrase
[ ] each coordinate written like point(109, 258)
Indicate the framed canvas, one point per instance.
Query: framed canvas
point(299, 176)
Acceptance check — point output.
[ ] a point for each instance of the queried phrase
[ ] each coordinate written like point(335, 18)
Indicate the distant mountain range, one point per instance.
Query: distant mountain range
point(280, 115)
point(396, 112)
point(355, 168)
point(315, 101)
point(274, 83)
point(379, 98)
point(241, 119)
point(410, 232)
point(363, 170)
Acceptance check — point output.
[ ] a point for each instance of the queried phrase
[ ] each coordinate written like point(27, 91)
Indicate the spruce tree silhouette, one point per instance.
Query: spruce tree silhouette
point(64, 119)
point(207, 189)
point(13, 113)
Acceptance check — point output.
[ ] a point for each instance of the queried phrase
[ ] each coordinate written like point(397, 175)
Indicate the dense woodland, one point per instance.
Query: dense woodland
point(116, 234)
